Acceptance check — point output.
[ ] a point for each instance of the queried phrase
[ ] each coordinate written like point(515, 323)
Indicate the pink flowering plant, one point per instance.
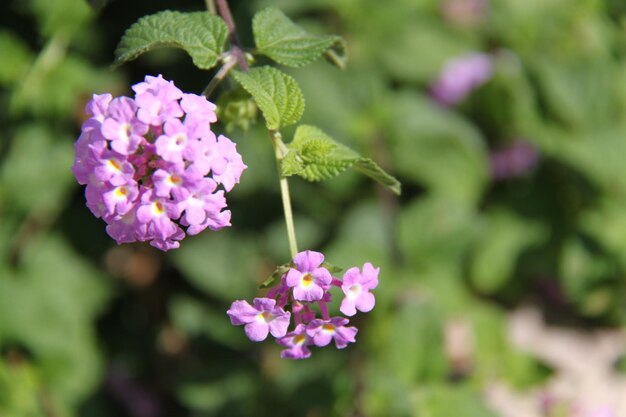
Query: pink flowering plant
point(156, 167)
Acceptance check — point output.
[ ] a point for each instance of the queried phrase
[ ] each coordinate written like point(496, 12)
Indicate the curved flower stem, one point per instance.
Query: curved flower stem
point(280, 150)
point(235, 45)
point(229, 62)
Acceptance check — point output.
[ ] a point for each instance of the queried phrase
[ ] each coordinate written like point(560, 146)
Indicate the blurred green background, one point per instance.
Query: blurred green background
point(482, 229)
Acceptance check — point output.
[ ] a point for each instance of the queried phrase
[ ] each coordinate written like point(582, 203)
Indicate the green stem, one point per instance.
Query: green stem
point(280, 150)
point(229, 62)
point(210, 6)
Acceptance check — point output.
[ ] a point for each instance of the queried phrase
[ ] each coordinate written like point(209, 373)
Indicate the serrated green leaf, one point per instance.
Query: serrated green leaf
point(285, 42)
point(315, 156)
point(275, 93)
point(200, 34)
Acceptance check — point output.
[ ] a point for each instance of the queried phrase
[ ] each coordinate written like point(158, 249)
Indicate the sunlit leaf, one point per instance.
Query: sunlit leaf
point(200, 34)
point(315, 156)
point(276, 93)
point(285, 42)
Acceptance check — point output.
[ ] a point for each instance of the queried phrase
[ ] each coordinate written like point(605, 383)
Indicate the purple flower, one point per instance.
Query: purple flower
point(121, 126)
point(356, 287)
point(296, 342)
point(88, 150)
point(460, 76)
point(200, 113)
point(308, 279)
point(157, 100)
point(229, 175)
point(121, 199)
point(157, 214)
point(125, 229)
point(174, 144)
point(323, 331)
point(261, 318)
point(114, 168)
point(204, 201)
point(98, 106)
point(152, 164)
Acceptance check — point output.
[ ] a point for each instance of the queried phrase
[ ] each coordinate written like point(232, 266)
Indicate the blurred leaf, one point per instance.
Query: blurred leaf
point(418, 51)
point(64, 17)
point(436, 231)
point(276, 244)
point(39, 163)
point(200, 34)
point(57, 87)
point(580, 269)
point(18, 58)
point(362, 237)
point(220, 264)
point(40, 309)
point(276, 93)
point(210, 397)
point(438, 148)
point(607, 224)
point(315, 156)
point(20, 390)
point(417, 356)
point(198, 319)
point(445, 401)
point(496, 253)
point(285, 42)
point(579, 94)
point(494, 356)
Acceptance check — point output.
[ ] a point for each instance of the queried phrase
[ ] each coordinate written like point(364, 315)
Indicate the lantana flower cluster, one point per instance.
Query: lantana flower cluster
point(154, 169)
point(303, 290)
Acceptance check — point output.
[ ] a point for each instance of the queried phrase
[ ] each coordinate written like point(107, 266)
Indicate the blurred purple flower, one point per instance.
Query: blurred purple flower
point(460, 76)
point(464, 12)
point(602, 412)
point(513, 161)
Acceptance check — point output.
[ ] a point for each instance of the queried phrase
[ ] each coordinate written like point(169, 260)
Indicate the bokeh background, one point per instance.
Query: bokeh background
point(503, 264)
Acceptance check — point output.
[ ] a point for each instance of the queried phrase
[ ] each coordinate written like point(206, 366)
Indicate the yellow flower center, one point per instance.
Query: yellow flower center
point(115, 164)
point(159, 208)
point(298, 339)
point(121, 192)
point(175, 179)
point(307, 280)
point(328, 327)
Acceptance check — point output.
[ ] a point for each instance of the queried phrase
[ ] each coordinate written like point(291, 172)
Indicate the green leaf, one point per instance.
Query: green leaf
point(66, 17)
point(19, 58)
point(314, 156)
point(275, 93)
point(505, 239)
point(200, 34)
point(285, 42)
point(219, 264)
point(437, 148)
point(276, 275)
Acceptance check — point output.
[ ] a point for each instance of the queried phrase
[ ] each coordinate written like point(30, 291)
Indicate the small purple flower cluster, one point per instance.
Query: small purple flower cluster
point(460, 76)
point(306, 283)
point(152, 164)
